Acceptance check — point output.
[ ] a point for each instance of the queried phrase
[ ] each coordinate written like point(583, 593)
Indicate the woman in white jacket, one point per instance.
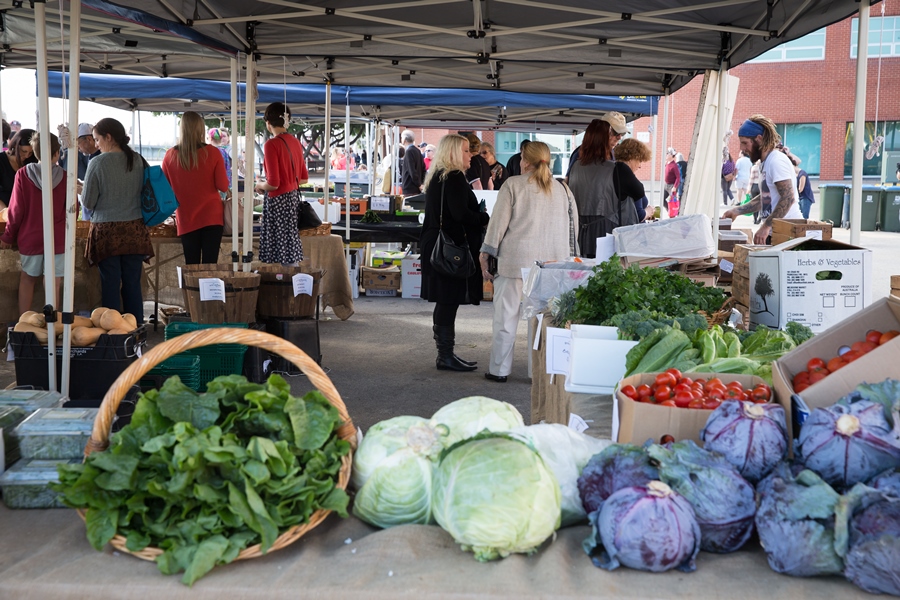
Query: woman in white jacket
point(535, 218)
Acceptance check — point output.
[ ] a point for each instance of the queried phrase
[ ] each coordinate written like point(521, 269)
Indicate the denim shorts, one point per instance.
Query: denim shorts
point(33, 264)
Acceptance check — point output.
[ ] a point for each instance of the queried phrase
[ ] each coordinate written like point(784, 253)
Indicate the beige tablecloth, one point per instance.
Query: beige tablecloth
point(44, 554)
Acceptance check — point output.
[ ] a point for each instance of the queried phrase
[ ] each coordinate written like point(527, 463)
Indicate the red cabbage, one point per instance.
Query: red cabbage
point(648, 527)
point(753, 437)
point(616, 467)
point(722, 500)
point(848, 444)
point(867, 534)
point(887, 481)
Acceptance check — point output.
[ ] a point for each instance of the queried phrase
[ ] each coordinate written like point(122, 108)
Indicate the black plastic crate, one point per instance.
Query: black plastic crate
point(303, 333)
point(255, 359)
point(93, 370)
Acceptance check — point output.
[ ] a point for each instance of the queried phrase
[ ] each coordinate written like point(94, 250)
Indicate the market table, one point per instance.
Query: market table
point(388, 231)
point(45, 554)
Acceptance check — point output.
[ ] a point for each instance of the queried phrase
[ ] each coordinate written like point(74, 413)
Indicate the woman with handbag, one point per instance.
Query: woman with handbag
point(118, 240)
point(535, 218)
point(279, 237)
point(451, 236)
point(196, 172)
point(728, 175)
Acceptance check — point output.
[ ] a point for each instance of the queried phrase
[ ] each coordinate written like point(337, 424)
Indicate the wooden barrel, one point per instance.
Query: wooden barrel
point(276, 292)
point(202, 267)
point(239, 306)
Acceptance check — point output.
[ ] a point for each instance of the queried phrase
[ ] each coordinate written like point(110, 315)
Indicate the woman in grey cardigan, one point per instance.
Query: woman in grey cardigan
point(535, 218)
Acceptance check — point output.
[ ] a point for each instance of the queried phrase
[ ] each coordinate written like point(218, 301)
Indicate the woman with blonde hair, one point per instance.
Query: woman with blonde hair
point(196, 172)
point(451, 207)
point(535, 218)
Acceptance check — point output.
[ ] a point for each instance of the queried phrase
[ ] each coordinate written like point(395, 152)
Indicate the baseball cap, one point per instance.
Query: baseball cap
point(423, 144)
point(616, 121)
point(671, 152)
point(85, 129)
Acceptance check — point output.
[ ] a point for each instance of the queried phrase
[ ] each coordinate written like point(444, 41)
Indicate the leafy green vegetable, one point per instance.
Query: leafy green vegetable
point(800, 333)
point(661, 354)
point(204, 476)
point(637, 324)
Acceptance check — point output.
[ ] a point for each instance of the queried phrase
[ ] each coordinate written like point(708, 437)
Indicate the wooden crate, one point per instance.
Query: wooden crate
point(788, 229)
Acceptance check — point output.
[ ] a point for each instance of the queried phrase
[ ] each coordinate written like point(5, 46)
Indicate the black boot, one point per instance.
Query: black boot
point(446, 361)
point(468, 363)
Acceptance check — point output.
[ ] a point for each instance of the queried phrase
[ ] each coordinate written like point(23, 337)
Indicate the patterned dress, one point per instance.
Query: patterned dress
point(279, 239)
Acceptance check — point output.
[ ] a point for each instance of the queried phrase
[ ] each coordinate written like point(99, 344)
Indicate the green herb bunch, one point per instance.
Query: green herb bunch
point(613, 289)
point(204, 476)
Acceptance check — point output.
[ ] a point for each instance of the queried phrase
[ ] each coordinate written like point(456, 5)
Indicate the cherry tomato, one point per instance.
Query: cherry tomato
point(815, 362)
point(676, 373)
point(888, 336)
point(764, 386)
point(800, 387)
point(849, 357)
point(817, 377)
point(663, 393)
point(716, 393)
point(712, 382)
point(682, 399)
point(862, 347)
point(669, 403)
point(630, 391)
point(686, 380)
point(874, 336)
point(667, 439)
point(735, 385)
point(801, 377)
point(666, 379)
point(836, 363)
point(696, 404)
point(760, 395)
point(701, 381)
point(711, 404)
point(643, 390)
point(681, 387)
point(733, 394)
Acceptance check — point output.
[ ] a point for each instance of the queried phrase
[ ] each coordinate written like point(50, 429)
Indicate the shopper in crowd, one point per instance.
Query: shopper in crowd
point(804, 187)
point(25, 226)
point(279, 237)
point(16, 156)
point(118, 241)
point(754, 187)
point(6, 133)
point(479, 172)
point(682, 171)
point(451, 207)
point(499, 174)
point(14, 127)
point(429, 155)
point(742, 177)
point(630, 155)
point(727, 177)
point(512, 165)
point(339, 160)
point(220, 139)
point(412, 173)
point(672, 177)
point(758, 138)
point(592, 183)
point(196, 172)
point(535, 218)
point(86, 149)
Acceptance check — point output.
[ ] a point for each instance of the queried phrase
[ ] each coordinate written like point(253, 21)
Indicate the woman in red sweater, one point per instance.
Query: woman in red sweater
point(197, 174)
point(26, 222)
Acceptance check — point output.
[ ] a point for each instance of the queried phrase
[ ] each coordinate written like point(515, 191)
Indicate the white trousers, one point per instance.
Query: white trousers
point(507, 311)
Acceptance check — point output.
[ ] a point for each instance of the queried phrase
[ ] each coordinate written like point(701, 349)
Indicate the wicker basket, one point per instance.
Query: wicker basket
point(721, 315)
point(323, 229)
point(99, 440)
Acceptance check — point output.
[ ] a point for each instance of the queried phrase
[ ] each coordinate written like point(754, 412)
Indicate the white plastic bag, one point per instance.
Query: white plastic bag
point(689, 236)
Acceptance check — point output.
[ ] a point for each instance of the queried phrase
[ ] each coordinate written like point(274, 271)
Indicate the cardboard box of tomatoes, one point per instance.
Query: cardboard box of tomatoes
point(650, 405)
point(866, 362)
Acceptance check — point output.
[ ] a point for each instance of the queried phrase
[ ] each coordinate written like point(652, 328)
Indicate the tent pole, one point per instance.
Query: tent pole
point(235, 206)
point(71, 195)
point(859, 123)
point(250, 160)
point(326, 149)
point(654, 156)
point(665, 138)
point(40, 26)
point(347, 161)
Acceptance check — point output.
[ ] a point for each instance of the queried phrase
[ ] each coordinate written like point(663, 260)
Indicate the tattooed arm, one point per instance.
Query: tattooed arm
point(753, 206)
point(786, 201)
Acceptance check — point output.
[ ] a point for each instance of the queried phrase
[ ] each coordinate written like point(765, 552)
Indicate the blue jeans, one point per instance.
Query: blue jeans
point(805, 206)
point(120, 283)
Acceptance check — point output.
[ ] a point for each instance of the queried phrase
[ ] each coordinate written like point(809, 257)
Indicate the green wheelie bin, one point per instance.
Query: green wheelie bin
point(890, 209)
point(871, 202)
point(831, 201)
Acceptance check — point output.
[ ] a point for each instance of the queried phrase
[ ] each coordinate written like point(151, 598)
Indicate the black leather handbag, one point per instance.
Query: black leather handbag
point(449, 258)
point(306, 215)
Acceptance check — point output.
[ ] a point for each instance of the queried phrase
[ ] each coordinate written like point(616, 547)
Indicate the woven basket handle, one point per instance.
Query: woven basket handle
point(221, 335)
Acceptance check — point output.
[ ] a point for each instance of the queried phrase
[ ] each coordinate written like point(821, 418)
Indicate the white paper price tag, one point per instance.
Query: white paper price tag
point(815, 234)
point(212, 288)
point(577, 423)
point(380, 202)
point(180, 280)
point(558, 345)
point(303, 284)
point(726, 266)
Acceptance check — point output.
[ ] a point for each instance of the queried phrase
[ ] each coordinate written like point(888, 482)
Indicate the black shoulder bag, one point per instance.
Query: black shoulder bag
point(306, 216)
point(449, 258)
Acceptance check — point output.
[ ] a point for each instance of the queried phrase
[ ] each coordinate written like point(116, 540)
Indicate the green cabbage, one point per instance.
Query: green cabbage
point(470, 416)
point(496, 497)
point(392, 472)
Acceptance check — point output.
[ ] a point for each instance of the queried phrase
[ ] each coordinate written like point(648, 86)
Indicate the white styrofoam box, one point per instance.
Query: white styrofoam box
point(785, 283)
point(354, 283)
point(596, 359)
point(682, 237)
point(333, 214)
point(411, 276)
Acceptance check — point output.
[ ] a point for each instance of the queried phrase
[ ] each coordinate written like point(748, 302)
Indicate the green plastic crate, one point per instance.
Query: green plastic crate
point(215, 359)
point(185, 366)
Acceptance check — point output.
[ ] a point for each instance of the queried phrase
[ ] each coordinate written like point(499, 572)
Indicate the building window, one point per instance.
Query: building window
point(809, 47)
point(805, 142)
point(884, 36)
point(883, 164)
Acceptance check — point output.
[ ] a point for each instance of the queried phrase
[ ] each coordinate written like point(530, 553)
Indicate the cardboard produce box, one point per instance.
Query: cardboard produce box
point(895, 285)
point(639, 421)
point(740, 289)
point(816, 283)
point(876, 366)
point(382, 258)
point(742, 254)
point(788, 229)
point(381, 279)
point(411, 276)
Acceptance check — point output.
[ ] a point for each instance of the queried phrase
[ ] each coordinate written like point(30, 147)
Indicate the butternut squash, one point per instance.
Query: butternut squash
point(112, 319)
point(95, 316)
point(86, 336)
point(132, 322)
point(82, 322)
point(33, 318)
point(119, 331)
point(39, 332)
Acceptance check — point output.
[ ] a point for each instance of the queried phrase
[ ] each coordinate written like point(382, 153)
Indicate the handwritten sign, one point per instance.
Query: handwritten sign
point(212, 288)
point(726, 266)
point(303, 284)
point(380, 203)
point(815, 234)
point(558, 350)
point(577, 423)
point(180, 280)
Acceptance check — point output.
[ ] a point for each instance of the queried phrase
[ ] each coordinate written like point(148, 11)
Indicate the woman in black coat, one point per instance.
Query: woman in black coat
point(464, 223)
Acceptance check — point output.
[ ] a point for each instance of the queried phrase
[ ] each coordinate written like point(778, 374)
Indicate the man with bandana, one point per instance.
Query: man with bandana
point(759, 139)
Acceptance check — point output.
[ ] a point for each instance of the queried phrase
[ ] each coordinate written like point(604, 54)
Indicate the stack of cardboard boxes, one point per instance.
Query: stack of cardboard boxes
point(895, 285)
